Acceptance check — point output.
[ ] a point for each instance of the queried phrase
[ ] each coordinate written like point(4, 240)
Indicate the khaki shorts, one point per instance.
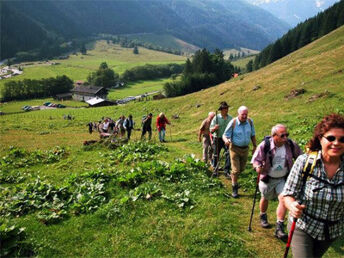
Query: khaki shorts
point(272, 189)
point(238, 159)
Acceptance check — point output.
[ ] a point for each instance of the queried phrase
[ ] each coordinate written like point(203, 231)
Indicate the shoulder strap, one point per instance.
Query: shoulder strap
point(309, 166)
point(267, 147)
point(292, 147)
point(233, 126)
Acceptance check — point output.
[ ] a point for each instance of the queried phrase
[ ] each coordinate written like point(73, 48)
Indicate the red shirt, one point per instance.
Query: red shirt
point(161, 122)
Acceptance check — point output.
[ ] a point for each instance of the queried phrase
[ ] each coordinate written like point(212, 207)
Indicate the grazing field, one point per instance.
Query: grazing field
point(242, 62)
point(138, 88)
point(76, 200)
point(78, 67)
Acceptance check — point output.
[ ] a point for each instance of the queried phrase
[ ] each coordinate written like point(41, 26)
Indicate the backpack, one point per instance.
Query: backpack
point(267, 147)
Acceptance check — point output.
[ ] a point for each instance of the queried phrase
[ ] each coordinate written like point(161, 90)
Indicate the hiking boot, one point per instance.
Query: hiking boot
point(279, 232)
point(235, 191)
point(264, 221)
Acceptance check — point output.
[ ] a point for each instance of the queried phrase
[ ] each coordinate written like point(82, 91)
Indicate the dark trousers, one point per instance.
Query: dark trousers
point(218, 145)
point(129, 133)
point(303, 245)
point(146, 129)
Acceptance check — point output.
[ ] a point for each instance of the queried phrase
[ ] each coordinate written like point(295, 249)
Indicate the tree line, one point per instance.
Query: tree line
point(131, 43)
point(150, 72)
point(301, 35)
point(204, 70)
point(29, 89)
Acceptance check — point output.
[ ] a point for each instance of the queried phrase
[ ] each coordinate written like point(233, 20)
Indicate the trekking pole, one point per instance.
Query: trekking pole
point(307, 170)
point(217, 165)
point(170, 133)
point(254, 203)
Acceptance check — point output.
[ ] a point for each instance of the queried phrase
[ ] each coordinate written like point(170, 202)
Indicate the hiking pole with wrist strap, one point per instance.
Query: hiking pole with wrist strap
point(254, 202)
point(307, 170)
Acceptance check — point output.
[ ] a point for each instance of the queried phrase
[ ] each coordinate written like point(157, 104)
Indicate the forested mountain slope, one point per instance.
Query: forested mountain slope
point(206, 23)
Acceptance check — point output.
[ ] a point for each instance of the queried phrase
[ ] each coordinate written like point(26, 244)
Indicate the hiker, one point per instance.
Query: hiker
point(273, 160)
point(90, 127)
point(204, 132)
point(105, 126)
point(128, 125)
point(161, 122)
point(238, 134)
point(147, 126)
point(217, 128)
point(120, 127)
point(318, 203)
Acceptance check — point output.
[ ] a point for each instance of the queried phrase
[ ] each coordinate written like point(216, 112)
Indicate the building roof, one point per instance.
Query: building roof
point(96, 100)
point(62, 95)
point(87, 89)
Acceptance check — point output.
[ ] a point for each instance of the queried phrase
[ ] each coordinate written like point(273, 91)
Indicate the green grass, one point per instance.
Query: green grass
point(243, 62)
point(138, 88)
point(78, 67)
point(216, 226)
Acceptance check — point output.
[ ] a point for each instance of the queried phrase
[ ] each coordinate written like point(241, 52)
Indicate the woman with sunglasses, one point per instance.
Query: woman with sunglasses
point(319, 203)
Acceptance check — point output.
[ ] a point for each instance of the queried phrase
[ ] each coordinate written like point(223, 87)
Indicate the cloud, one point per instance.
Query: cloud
point(319, 3)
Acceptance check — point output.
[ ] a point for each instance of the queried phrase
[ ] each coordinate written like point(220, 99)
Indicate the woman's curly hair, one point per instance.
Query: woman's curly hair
point(327, 123)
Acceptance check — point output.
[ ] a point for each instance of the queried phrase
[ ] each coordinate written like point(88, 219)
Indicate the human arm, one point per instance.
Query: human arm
point(259, 158)
point(213, 125)
point(293, 188)
point(227, 135)
point(254, 142)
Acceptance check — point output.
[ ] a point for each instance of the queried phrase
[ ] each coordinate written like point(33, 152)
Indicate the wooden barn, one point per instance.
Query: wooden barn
point(84, 93)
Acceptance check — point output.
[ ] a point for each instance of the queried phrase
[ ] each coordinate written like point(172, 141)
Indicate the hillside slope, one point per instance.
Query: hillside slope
point(216, 226)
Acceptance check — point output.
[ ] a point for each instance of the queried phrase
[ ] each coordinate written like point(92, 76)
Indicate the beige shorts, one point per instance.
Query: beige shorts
point(238, 158)
point(272, 189)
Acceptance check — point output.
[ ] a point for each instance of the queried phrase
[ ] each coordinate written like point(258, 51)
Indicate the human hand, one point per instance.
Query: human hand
point(296, 209)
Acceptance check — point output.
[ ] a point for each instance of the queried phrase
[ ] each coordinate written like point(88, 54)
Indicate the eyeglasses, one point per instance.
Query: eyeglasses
point(284, 135)
point(332, 138)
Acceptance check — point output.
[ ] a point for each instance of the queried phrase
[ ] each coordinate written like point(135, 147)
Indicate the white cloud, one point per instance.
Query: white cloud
point(319, 3)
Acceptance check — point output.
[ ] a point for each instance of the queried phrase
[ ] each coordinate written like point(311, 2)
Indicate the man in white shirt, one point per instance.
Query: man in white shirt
point(273, 160)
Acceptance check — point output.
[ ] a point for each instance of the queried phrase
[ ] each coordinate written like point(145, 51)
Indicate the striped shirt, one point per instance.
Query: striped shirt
point(324, 201)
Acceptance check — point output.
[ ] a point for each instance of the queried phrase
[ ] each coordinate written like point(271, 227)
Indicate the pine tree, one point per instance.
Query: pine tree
point(249, 66)
point(136, 50)
point(83, 49)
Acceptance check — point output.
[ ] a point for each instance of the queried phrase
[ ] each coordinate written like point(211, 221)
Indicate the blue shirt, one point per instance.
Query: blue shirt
point(243, 131)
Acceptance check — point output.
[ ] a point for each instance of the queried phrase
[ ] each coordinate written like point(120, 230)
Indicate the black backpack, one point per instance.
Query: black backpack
point(267, 147)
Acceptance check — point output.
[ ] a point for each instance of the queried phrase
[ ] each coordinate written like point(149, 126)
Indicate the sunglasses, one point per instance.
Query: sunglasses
point(332, 138)
point(284, 135)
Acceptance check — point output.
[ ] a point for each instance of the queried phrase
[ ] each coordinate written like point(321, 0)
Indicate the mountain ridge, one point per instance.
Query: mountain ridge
point(207, 24)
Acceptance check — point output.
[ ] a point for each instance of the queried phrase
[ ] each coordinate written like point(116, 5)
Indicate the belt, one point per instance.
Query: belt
point(327, 224)
point(240, 147)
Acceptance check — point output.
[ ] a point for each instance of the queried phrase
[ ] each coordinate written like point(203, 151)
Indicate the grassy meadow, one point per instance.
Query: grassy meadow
point(78, 67)
point(169, 208)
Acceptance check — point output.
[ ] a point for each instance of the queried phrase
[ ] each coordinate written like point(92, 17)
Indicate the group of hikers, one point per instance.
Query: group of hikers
point(310, 185)
point(107, 127)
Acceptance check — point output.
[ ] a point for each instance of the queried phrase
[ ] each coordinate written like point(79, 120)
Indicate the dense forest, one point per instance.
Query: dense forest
point(30, 89)
point(204, 70)
point(150, 72)
point(300, 36)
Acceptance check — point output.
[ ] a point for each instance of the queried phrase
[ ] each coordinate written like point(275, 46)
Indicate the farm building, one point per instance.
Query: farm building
point(99, 102)
point(63, 96)
point(84, 93)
